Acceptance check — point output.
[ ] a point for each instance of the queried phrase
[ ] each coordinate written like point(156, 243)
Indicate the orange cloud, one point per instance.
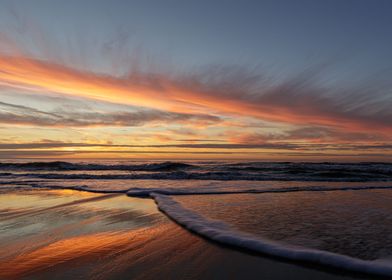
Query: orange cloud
point(289, 103)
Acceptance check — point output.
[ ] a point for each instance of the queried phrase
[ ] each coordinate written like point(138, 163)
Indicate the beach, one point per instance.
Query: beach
point(195, 140)
point(68, 234)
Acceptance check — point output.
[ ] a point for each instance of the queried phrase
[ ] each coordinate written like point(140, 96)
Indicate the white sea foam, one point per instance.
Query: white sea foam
point(144, 192)
point(222, 233)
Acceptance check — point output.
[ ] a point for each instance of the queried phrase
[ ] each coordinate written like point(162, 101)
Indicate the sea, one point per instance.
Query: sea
point(333, 214)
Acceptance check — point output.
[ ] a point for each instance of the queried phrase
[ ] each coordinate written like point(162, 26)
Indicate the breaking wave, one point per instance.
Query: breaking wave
point(65, 166)
point(145, 192)
point(249, 171)
point(222, 233)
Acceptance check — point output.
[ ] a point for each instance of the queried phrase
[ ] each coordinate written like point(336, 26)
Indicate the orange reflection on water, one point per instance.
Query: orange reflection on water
point(88, 247)
point(43, 229)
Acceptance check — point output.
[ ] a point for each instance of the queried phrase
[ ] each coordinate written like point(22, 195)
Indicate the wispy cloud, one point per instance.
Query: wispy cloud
point(12, 114)
point(312, 134)
point(297, 101)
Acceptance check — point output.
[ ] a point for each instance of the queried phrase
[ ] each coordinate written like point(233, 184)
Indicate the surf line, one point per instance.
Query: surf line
point(146, 192)
point(222, 233)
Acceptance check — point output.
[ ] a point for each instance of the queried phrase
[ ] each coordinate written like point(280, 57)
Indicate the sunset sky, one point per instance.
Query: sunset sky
point(265, 80)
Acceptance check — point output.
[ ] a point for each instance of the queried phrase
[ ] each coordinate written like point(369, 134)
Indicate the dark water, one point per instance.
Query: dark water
point(195, 170)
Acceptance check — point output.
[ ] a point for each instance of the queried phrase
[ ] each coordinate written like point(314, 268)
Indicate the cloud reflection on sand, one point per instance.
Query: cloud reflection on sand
point(69, 226)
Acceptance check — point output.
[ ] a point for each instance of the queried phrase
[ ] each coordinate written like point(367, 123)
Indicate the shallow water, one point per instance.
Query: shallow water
point(46, 228)
point(354, 223)
point(342, 209)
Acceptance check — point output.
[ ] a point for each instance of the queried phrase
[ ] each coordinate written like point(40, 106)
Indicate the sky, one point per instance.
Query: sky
point(304, 80)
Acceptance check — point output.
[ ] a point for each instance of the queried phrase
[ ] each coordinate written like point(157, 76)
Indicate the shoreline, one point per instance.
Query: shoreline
point(106, 236)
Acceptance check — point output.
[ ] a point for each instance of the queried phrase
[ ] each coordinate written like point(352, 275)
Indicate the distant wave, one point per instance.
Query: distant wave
point(65, 166)
point(251, 171)
point(222, 233)
point(220, 176)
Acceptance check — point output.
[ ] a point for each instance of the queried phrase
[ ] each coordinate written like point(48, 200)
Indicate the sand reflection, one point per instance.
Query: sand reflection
point(43, 229)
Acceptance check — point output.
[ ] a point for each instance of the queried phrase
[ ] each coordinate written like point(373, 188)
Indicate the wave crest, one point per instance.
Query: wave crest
point(65, 166)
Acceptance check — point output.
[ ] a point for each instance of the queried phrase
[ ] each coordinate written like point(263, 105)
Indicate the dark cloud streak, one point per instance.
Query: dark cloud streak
point(229, 146)
point(12, 114)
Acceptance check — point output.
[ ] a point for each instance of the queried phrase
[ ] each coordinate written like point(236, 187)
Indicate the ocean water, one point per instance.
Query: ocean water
point(335, 214)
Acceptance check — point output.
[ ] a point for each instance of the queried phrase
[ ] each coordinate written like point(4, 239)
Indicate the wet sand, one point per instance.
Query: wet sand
point(64, 234)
